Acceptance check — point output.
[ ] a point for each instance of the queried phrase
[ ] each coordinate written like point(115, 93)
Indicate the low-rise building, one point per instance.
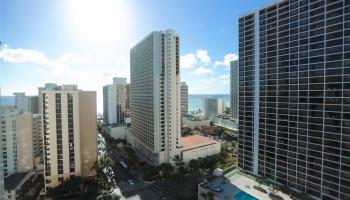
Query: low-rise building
point(225, 121)
point(197, 146)
point(191, 122)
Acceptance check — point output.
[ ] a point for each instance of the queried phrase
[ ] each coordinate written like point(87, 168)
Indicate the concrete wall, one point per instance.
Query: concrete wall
point(201, 152)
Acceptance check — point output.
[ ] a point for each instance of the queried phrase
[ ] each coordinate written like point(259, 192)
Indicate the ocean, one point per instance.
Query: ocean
point(195, 100)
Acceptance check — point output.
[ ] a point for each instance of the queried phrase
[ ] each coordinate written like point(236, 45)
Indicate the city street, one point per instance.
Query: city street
point(139, 189)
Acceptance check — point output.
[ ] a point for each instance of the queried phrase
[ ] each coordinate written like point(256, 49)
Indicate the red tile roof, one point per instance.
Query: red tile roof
point(192, 141)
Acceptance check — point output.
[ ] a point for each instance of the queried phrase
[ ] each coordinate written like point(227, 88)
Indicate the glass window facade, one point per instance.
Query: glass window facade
point(303, 109)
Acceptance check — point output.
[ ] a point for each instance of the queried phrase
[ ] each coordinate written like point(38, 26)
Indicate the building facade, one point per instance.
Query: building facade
point(198, 146)
point(294, 96)
point(48, 86)
point(184, 99)
point(116, 102)
point(24, 142)
point(9, 141)
point(69, 128)
point(212, 107)
point(2, 183)
point(234, 82)
point(37, 140)
point(26, 103)
point(155, 96)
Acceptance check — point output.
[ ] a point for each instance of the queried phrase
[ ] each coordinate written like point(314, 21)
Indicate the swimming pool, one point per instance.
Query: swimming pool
point(244, 196)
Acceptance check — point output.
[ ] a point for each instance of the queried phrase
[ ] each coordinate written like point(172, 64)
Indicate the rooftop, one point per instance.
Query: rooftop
point(12, 181)
point(234, 184)
point(193, 141)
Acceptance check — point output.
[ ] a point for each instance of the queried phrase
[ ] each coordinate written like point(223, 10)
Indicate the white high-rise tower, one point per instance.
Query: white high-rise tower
point(155, 96)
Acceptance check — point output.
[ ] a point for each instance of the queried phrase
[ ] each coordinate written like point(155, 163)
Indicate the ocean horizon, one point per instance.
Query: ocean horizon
point(194, 100)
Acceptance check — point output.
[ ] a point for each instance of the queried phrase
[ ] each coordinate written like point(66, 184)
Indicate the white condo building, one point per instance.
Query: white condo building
point(8, 133)
point(213, 107)
point(26, 103)
point(184, 99)
point(234, 84)
point(155, 96)
point(69, 128)
point(116, 101)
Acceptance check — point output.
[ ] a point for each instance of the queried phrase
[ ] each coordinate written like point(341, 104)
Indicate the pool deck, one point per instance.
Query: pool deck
point(233, 183)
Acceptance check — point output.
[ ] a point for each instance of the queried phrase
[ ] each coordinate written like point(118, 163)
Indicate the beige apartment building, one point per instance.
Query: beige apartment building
point(69, 128)
point(24, 138)
point(155, 96)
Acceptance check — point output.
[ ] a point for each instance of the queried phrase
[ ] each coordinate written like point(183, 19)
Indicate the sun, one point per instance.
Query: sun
point(100, 22)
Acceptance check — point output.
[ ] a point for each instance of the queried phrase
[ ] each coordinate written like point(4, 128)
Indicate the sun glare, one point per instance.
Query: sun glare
point(100, 22)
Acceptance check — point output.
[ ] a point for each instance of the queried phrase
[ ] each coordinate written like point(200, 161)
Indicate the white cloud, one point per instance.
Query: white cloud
point(227, 59)
point(200, 56)
point(89, 71)
point(23, 55)
point(188, 60)
point(203, 56)
point(203, 71)
point(59, 66)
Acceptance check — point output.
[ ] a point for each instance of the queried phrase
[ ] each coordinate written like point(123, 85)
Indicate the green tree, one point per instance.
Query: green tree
point(180, 165)
point(107, 195)
point(166, 169)
point(227, 110)
point(67, 187)
point(194, 166)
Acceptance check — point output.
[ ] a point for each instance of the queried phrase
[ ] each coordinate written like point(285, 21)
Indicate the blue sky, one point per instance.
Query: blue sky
point(87, 42)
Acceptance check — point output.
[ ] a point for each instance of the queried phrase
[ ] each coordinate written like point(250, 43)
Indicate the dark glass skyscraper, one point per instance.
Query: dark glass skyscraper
point(294, 95)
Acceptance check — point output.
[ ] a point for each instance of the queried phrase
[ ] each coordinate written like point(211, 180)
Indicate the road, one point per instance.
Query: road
point(140, 189)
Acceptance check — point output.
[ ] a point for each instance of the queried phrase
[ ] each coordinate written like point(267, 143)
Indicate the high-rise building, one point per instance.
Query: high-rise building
point(17, 146)
point(37, 139)
point(69, 128)
point(24, 142)
point(48, 86)
point(8, 131)
point(26, 103)
point(294, 96)
point(184, 99)
point(155, 96)
point(213, 107)
point(116, 102)
point(234, 82)
point(2, 184)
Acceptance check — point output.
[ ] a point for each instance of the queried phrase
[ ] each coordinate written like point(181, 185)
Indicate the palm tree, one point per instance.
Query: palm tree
point(227, 111)
point(166, 169)
point(180, 166)
point(259, 180)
